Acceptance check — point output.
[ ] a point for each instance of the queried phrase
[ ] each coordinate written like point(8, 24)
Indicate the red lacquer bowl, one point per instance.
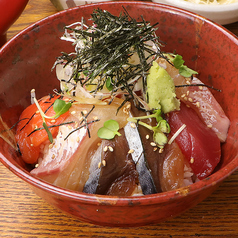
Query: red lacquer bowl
point(10, 10)
point(26, 61)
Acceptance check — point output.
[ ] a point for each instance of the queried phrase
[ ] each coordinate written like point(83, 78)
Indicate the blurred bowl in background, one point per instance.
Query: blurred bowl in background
point(10, 10)
point(222, 14)
point(65, 4)
point(214, 54)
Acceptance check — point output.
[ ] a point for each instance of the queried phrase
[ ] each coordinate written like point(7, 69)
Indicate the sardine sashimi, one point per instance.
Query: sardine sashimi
point(118, 175)
point(112, 170)
point(152, 154)
point(94, 171)
point(138, 156)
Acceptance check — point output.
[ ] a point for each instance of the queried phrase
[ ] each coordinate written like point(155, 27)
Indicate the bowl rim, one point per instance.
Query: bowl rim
point(213, 180)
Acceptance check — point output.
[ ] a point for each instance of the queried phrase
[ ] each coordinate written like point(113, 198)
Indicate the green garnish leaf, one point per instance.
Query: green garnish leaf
point(86, 72)
point(186, 72)
point(109, 130)
point(48, 132)
point(163, 126)
point(159, 130)
point(105, 133)
point(109, 84)
point(160, 138)
point(60, 107)
point(183, 69)
point(157, 115)
point(178, 61)
point(112, 125)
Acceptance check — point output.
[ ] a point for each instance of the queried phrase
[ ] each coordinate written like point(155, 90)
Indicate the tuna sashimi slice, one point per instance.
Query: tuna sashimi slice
point(200, 99)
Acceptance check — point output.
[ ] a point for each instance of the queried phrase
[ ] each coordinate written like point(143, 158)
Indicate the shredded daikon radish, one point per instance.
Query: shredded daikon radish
point(176, 134)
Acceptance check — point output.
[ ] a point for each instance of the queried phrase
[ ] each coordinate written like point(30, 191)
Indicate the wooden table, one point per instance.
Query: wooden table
point(23, 214)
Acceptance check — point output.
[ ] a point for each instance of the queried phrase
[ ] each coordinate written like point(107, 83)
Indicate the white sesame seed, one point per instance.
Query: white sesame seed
point(161, 150)
point(133, 125)
point(128, 106)
point(147, 137)
point(95, 118)
point(153, 144)
point(209, 126)
point(37, 111)
point(53, 156)
point(104, 162)
point(53, 121)
point(99, 165)
point(36, 165)
point(131, 151)
point(105, 148)
point(183, 95)
point(198, 104)
point(192, 160)
point(185, 98)
point(156, 148)
point(85, 112)
point(125, 110)
point(50, 146)
point(187, 93)
point(73, 112)
point(200, 87)
point(32, 145)
point(190, 99)
point(110, 148)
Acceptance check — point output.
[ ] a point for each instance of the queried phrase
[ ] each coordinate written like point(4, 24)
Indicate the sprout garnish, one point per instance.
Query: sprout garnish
point(159, 130)
point(59, 106)
point(109, 130)
point(183, 69)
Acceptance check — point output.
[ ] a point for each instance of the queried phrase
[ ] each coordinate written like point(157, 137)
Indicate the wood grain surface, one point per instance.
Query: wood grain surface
point(23, 214)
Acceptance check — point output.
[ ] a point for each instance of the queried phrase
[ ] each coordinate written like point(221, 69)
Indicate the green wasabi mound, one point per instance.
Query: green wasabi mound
point(161, 90)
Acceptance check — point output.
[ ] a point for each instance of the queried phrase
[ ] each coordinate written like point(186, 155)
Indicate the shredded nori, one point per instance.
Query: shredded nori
point(109, 44)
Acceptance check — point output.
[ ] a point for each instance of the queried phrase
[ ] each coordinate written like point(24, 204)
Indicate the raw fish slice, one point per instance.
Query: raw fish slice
point(152, 154)
point(171, 171)
point(94, 171)
point(200, 99)
point(69, 168)
point(28, 136)
point(135, 145)
point(118, 176)
point(57, 160)
point(138, 156)
point(198, 143)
